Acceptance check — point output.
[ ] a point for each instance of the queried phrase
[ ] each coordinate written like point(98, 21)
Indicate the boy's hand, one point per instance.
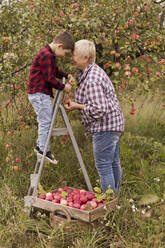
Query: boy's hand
point(68, 87)
point(71, 79)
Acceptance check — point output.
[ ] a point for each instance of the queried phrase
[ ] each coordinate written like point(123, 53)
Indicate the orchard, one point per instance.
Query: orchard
point(129, 37)
point(130, 46)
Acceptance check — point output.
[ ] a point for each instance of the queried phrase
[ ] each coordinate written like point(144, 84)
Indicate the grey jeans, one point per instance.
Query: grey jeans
point(43, 108)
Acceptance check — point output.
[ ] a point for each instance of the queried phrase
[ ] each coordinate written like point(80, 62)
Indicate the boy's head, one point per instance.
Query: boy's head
point(63, 43)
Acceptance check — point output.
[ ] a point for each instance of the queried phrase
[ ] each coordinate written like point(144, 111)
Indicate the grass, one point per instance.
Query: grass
point(139, 218)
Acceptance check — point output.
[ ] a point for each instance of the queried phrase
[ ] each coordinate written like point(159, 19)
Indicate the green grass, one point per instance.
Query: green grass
point(138, 221)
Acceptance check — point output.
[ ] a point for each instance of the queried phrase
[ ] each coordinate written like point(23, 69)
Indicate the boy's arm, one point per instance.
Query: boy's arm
point(60, 74)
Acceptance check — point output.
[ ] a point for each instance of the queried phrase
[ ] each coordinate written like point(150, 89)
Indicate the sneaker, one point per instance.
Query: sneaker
point(48, 157)
point(36, 149)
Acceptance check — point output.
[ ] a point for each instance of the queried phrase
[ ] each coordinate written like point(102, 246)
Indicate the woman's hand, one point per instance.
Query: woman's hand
point(70, 105)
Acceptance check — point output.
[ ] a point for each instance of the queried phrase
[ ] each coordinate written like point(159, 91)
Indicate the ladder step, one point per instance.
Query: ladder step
point(33, 180)
point(59, 131)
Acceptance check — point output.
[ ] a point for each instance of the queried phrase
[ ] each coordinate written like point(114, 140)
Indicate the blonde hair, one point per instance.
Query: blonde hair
point(86, 48)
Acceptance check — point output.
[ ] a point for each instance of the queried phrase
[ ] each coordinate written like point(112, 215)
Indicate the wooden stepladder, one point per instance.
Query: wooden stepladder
point(35, 177)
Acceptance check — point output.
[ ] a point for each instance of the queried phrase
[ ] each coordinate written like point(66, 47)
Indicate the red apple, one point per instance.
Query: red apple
point(60, 190)
point(83, 207)
point(93, 204)
point(57, 198)
point(49, 196)
point(68, 190)
point(82, 191)
point(90, 195)
point(76, 191)
point(42, 196)
point(95, 199)
point(83, 198)
point(76, 205)
point(69, 199)
point(70, 204)
point(76, 197)
point(63, 202)
point(100, 204)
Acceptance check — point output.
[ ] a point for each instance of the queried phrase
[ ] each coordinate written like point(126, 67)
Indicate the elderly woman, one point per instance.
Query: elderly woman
point(100, 112)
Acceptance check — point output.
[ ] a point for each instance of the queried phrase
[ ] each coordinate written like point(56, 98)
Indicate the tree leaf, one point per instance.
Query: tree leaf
point(148, 199)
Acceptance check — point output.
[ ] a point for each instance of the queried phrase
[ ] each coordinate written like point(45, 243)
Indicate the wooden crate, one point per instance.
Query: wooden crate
point(73, 213)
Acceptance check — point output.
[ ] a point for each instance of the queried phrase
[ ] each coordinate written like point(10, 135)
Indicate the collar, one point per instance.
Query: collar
point(83, 75)
point(50, 50)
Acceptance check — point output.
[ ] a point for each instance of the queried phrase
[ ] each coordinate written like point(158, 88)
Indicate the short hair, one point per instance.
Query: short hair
point(86, 48)
point(66, 39)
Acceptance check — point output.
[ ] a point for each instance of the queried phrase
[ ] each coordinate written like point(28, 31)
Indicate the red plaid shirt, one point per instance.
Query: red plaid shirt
point(43, 73)
point(101, 107)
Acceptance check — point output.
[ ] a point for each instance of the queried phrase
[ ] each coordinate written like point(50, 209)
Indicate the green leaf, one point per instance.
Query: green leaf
point(63, 194)
point(148, 199)
point(97, 190)
point(40, 189)
point(100, 198)
point(109, 191)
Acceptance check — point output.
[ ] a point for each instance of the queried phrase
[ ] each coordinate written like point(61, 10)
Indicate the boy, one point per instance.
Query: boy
point(42, 79)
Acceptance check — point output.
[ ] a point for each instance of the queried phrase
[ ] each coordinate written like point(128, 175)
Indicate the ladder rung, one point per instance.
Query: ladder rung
point(59, 131)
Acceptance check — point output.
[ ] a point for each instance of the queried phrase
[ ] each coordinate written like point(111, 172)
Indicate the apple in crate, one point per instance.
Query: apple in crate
point(83, 198)
point(42, 196)
point(60, 190)
point(63, 202)
point(76, 205)
point(90, 195)
point(49, 196)
point(83, 207)
point(70, 204)
point(67, 189)
point(56, 198)
point(93, 204)
point(100, 204)
point(76, 197)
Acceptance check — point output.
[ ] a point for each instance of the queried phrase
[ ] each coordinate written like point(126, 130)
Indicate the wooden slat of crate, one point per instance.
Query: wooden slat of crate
point(102, 210)
point(87, 216)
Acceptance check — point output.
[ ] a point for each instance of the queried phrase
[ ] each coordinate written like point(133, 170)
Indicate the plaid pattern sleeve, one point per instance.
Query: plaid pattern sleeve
point(101, 107)
point(44, 72)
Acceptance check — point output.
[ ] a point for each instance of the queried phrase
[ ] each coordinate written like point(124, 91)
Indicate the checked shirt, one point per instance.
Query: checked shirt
point(44, 72)
point(101, 107)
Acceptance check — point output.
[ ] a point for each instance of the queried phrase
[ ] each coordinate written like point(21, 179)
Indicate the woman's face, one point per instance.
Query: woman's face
point(79, 60)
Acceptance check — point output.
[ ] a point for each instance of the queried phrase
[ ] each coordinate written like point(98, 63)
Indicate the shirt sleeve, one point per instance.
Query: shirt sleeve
point(60, 74)
point(48, 72)
point(96, 105)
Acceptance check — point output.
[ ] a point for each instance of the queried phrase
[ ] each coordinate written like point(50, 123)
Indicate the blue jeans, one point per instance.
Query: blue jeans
point(43, 107)
point(107, 162)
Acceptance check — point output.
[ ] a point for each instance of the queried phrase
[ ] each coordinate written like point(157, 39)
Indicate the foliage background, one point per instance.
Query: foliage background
point(129, 37)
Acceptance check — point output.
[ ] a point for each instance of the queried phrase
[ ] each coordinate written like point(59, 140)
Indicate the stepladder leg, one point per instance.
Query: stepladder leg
point(75, 146)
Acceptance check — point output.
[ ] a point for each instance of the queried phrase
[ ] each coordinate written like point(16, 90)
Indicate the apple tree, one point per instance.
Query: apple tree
point(129, 36)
